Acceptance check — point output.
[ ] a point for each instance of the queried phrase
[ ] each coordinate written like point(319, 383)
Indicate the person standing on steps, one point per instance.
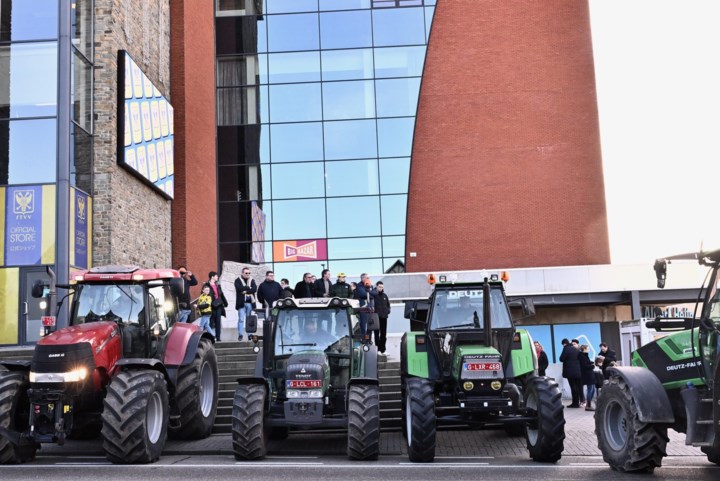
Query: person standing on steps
point(218, 304)
point(245, 289)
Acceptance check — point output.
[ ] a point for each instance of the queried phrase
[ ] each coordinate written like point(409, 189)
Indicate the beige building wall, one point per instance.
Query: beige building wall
point(131, 221)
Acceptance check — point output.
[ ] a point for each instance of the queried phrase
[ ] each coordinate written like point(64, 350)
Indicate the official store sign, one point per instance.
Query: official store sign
point(29, 225)
point(300, 250)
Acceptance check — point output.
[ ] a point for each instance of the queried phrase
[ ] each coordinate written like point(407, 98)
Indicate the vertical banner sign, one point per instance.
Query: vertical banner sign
point(80, 229)
point(258, 234)
point(23, 225)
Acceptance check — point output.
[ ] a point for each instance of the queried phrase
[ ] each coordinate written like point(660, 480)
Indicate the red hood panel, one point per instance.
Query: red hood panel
point(93, 332)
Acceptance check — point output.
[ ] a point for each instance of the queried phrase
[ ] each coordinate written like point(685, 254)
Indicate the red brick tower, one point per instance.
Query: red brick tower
point(506, 168)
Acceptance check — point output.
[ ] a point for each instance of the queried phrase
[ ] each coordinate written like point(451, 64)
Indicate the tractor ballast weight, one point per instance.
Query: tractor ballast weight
point(469, 365)
point(674, 382)
point(123, 369)
point(312, 372)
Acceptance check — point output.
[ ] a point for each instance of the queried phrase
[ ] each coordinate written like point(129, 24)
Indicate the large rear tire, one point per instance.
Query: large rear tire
point(545, 436)
point(363, 422)
point(249, 436)
point(627, 444)
point(196, 394)
point(135, 417)
point(14, 415)
point(420, 420)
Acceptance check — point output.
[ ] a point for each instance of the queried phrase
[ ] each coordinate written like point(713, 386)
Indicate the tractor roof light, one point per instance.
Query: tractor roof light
point(335, 302)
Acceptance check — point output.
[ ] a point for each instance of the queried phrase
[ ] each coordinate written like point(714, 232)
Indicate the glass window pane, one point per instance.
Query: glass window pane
point(245, 34)
point(304, 179)
point(82, 30)
point(242, 105)
point(81, 92)
point(296, 142)
point(346, 29)
point(28, 80)
point(351, 177)
point(81, 157)
point(398, 26)
point(429, 13)
point(395, 137)
point(295, 103)
point(348, 100)
point(344, 4)
point(399, 61)
point(299, 219)
point(243, 182)
point(347, 64)
point(236, 225)
point(350, 139)
point(357, 248)
point(289, 33)
point(236, 7)
point(353, 268)
point(394, 214)
point(28, 151)
point(249, 144)
point(393, 246)
point(353, 216)
point(238, 70)
point(294, 67)
point(290, 6)
point(394, 175)
point(23, 20)
point(397, 97)
point(390, 263)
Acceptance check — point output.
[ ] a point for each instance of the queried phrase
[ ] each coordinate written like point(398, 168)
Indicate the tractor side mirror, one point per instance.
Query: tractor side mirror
point(526, 304)
point(660, 272)
point(251, 324)
point(38, 289)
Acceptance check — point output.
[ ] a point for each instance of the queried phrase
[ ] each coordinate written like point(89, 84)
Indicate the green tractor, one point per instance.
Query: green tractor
point(465, 363)
point(670, 384)
point(312, 372)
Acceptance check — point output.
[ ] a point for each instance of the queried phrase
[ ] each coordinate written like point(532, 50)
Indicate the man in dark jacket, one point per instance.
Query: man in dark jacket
point(323, 286)
point(570, 357)
point(269, 290)
point(366, 294)
point(304, 288)
point(608, 357)
point(219, 303)
point(382, 308)
point(245, 289)
point(286, 291)
point(341, 288)
point(184, 299)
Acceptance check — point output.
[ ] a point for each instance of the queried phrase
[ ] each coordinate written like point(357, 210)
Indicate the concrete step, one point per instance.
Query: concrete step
point(390, 387)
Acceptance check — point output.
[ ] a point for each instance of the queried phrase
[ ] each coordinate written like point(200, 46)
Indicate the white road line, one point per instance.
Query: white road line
point(345, 465)
point(464, 457)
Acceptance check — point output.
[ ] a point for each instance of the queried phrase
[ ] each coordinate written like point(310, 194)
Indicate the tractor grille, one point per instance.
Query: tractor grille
point(62, 358)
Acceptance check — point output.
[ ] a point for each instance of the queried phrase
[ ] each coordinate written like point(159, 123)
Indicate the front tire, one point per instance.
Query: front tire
point(249, 437)
point(420, 420)
point(545, 436)
point(14, 415)
point(363, 422)
point(196, 394)
point(627, 443)
point(135, 417)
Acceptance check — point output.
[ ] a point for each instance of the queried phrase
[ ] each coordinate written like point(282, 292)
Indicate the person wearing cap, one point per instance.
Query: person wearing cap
point(341, 288)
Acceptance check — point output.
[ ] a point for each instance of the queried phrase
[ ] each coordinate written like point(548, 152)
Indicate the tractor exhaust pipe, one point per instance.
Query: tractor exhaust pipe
point(487, 326)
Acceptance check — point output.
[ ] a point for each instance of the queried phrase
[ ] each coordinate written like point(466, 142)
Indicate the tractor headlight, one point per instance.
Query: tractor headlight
point(76, 375)
point(310, 393)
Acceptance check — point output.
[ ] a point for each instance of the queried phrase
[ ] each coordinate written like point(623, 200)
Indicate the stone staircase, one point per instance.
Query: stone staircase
point(237, 359)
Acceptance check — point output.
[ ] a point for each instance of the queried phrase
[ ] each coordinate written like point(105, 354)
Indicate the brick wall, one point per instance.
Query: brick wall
point(131, 222)
point(507, 168)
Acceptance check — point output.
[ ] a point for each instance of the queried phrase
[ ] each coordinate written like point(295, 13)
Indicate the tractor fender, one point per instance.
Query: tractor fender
point(651, 399)
point(364, 380)
point(192, 346)
point(179, 342)
point(135, 363)
point(19, 365)
point(370, 363)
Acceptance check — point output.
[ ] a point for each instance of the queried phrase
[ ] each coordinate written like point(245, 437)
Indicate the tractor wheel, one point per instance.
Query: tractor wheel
point(420, 420)
point(196, 394)
point(14, 415)
point(135, 417)
point(363, 422)
point(627, 443)
point(249, 438)
point(545, 436)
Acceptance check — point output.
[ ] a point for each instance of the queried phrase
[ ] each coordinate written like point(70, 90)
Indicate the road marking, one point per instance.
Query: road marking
point(464, 457)
point(292, 457)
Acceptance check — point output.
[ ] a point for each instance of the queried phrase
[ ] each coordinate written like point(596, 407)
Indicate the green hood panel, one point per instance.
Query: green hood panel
point(465, 350)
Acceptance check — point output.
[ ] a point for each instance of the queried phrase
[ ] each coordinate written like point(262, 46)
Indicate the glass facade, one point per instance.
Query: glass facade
point(316, 103)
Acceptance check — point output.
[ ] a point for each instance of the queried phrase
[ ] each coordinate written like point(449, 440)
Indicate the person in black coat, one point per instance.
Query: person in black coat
point(219, 303)
point(269, 290)
point(587, 371)
point(570, 357)
point(542, 358)
point(608, 357)
point(323, 286)
point(382, 309)
point(286, 290)
point(304, 288)
point(189, 280)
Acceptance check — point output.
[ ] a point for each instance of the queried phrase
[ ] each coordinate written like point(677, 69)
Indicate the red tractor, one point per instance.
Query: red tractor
point(123, 368)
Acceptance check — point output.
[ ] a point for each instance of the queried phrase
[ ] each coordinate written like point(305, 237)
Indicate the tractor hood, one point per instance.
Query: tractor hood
point(93, 333)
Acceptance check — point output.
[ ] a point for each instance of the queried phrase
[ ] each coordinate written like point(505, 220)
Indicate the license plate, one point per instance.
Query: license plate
point(482, 366)
point(308, 384)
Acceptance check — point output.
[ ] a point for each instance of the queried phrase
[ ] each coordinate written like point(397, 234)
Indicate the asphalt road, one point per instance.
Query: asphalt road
point(312, 468)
